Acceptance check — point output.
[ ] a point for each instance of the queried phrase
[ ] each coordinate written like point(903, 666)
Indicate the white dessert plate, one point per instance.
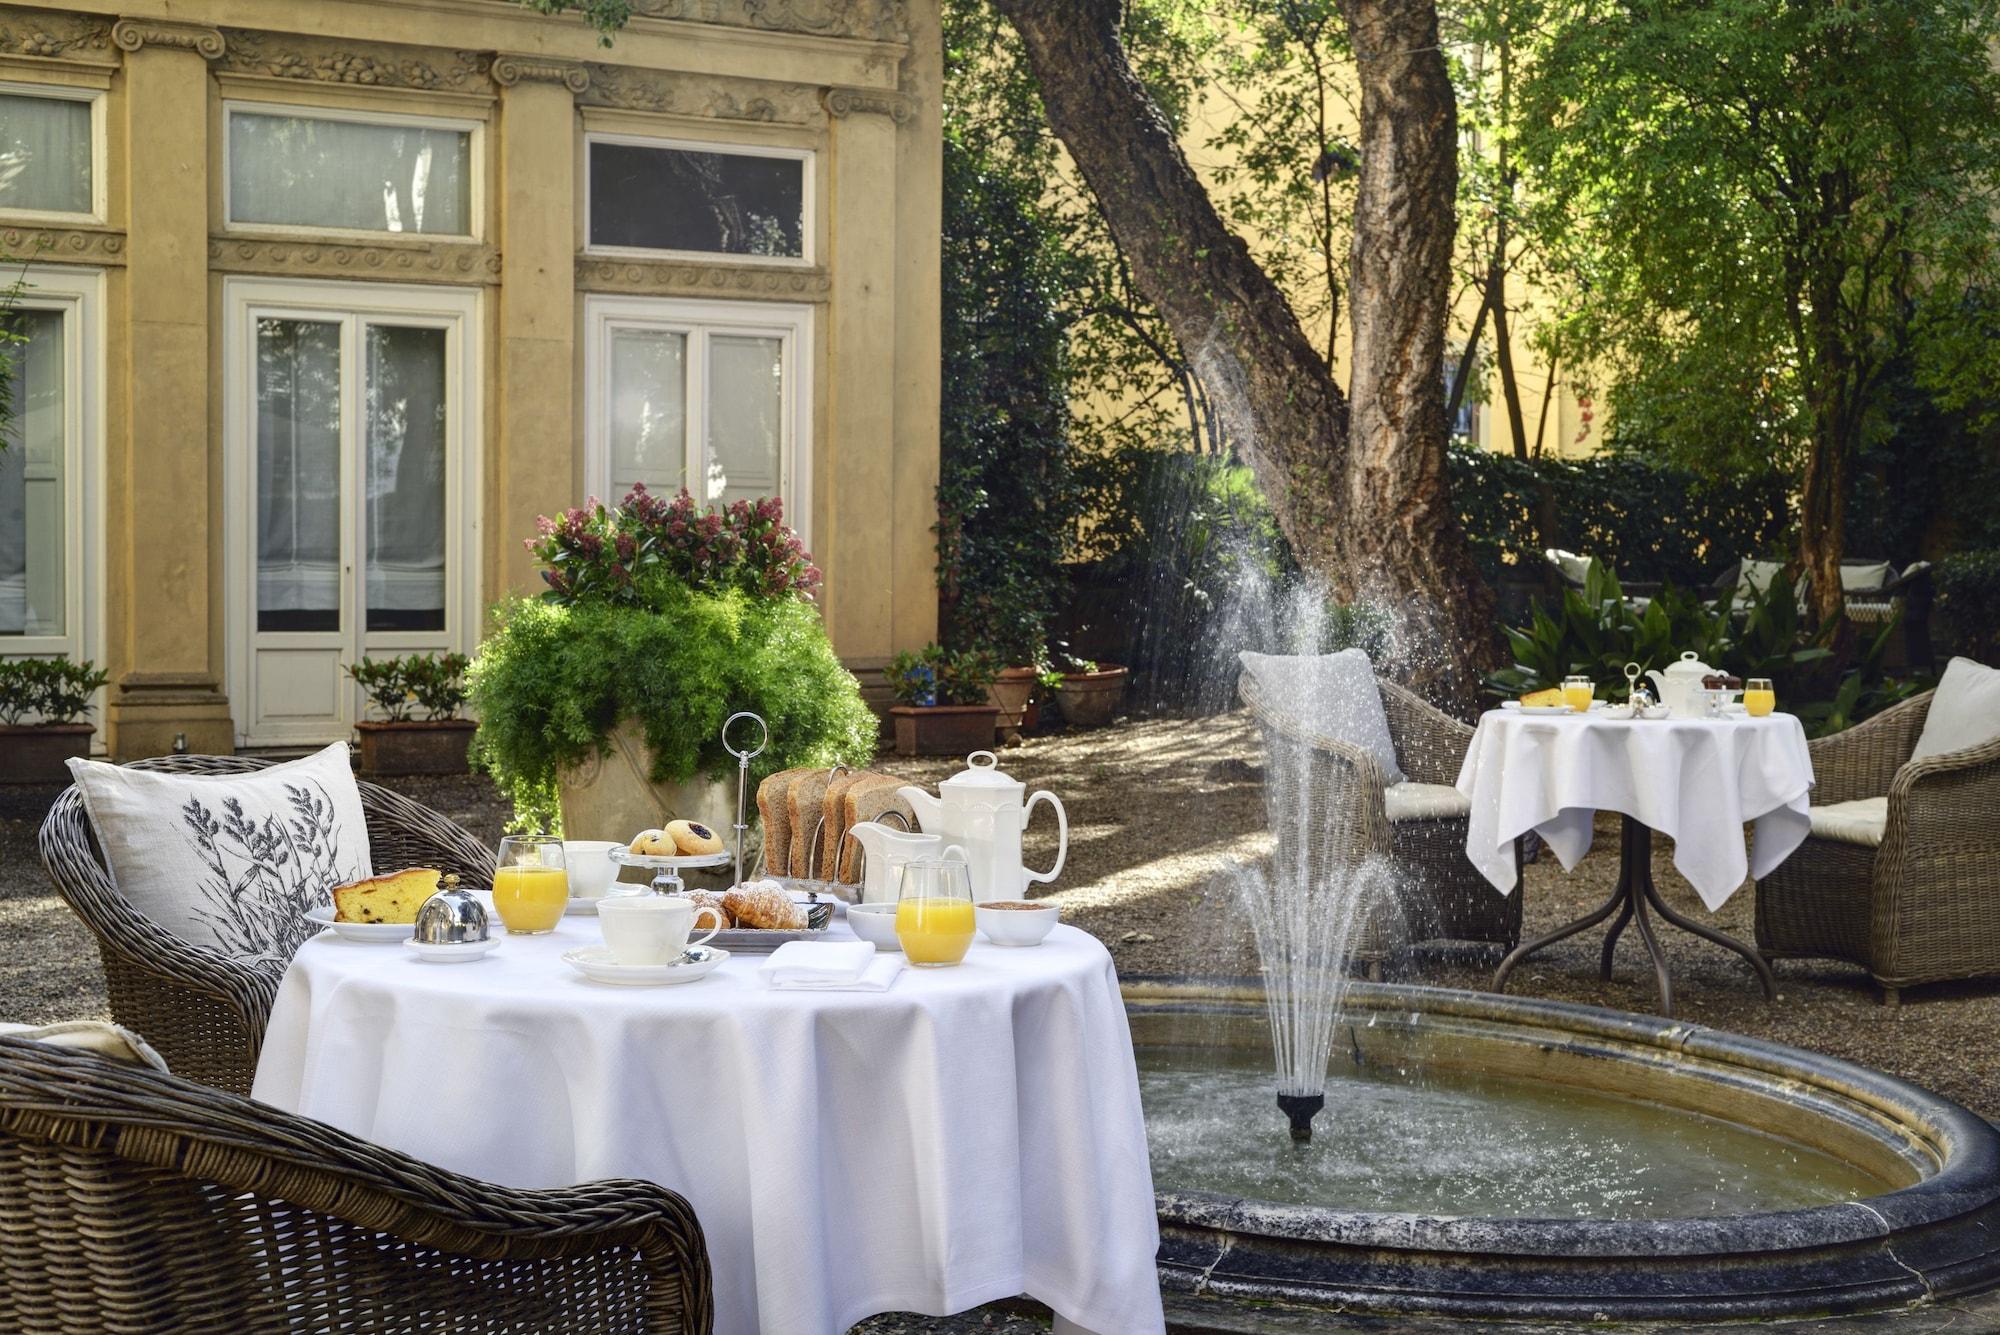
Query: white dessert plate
point(625, 857)
point(596, 964)
point(375, 933)
point(458, 952)
point(1534, 709)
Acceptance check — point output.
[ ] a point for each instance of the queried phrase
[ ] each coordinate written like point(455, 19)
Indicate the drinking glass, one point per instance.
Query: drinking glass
point(1758, 697)
point(1577, 693)
point(530, 883)
point(934, 919)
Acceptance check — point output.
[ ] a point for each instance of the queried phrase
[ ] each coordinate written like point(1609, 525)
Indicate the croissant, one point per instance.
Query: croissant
point(763, 906)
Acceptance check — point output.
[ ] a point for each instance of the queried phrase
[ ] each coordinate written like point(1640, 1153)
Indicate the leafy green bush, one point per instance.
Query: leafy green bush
point(1968, 603)
point(936, 676)
point(47, 690)
point(434, 683)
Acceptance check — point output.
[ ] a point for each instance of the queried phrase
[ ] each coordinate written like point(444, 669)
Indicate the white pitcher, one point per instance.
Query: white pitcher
point(886, 849)
point(980, 809)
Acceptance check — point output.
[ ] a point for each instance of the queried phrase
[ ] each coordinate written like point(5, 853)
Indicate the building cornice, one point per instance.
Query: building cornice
point(443, 261)
point(596, 273)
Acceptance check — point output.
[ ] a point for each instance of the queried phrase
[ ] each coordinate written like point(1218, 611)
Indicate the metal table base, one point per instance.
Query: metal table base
point(1634, 901)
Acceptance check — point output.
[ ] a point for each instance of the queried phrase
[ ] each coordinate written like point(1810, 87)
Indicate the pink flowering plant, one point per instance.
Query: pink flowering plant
point(620, 556)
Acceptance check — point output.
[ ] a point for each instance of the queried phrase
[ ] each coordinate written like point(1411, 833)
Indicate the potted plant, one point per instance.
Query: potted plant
point(942, 707)
point(1090, 693)
point(400, 743)
point(601, 703)
point(43, 702)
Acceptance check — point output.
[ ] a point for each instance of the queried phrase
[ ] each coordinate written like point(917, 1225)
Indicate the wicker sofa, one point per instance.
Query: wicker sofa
point(203, 1010)
point(132, 1200)
point(1418, 828)
point(1909, 890)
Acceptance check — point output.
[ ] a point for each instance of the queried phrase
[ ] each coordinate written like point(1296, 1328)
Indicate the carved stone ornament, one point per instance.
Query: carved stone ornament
point(668, 277)
point(458, 263)
point(376, 67)
point(51, 34)
point(710, 98)
point(59, 244)
point(867, 20)
point(131, 34)
point(860, 101)
point(510, 70)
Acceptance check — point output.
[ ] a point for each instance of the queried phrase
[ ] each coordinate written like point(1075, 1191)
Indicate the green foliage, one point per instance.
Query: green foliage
point(554, 680)
point(1968, 602)
point(47, 690)
point(936, 676)
point(623, 557)
point(434, 683)
point(11, 337)
point(607, 16)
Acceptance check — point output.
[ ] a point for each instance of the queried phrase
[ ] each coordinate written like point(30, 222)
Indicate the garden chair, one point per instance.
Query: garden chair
point(136, 1200)
point(1901, 872)
point(204, 1010)
point(1416, 828)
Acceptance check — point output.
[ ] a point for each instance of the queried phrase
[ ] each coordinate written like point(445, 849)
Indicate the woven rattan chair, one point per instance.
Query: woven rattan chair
point(1416, 828)
point(1923, 904)
point(204, 1010)
point(136, 1201)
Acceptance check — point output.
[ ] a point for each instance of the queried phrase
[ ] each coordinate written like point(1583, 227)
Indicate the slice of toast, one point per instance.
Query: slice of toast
point(776, 814)
point(805, 800)
point(838, 796)
point(871, 803)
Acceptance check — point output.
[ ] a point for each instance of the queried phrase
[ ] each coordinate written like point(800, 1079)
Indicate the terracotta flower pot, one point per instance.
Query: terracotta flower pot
point(35, 752)
point(1010, 694)
point(943, 730)
point(427, 746)
point(1091, 699)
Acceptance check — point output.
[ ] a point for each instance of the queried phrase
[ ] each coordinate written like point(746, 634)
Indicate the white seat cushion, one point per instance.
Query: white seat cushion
point(1425, 801)
point(97, 1036)
point(1574, 568)
point(1859, 578)
point(1861, 821)
point(1333, 695)
point(1964, 713)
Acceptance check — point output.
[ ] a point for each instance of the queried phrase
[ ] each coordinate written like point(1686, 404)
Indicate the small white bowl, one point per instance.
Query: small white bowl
point(875, 922)
point(591, 870)
point(1016, 927)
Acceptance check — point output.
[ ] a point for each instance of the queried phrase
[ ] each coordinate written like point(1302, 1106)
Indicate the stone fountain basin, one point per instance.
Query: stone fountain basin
point(1933, 1232)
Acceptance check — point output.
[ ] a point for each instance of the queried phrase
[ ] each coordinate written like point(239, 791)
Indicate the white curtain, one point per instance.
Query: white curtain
point(349, 174)
point(32, 510)
point(745, 416)
point(405, 469)
point(44, 154)
point(298, 475)
point(648, 411)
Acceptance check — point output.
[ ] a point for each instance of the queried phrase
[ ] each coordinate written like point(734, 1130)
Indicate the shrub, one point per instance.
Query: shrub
point(935, 676)
point(620, 557)
point(1968, 603)
point(47, 690)
point(434, 683)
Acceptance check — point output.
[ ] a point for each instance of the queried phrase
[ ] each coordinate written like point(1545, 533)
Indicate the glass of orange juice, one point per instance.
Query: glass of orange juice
point(1577, 693)
point(934, 919)
point(530, 883)
point(1758, 697)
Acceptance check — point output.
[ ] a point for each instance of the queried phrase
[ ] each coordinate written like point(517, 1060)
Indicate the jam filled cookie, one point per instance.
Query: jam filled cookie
point(693, 839)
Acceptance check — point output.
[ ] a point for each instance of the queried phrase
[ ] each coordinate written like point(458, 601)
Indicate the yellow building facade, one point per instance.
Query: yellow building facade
point(325, 301)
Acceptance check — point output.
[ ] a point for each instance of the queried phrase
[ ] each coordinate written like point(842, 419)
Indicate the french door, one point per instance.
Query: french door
point(348, 434)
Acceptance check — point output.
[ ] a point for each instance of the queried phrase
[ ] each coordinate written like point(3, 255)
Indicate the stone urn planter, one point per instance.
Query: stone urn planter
point(431, 746)
point(1092, 699)
point(612, 796)
point(943, 730)
point(1011, 693)
point(35, 752)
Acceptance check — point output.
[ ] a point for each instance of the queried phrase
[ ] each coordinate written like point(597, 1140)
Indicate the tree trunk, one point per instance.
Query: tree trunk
point(1361, 491)
point(1835, 401)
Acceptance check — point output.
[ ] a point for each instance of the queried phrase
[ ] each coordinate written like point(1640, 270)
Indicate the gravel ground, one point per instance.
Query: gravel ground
point(1159, 809)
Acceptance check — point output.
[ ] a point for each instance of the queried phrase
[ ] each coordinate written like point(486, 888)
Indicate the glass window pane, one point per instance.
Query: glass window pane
point(298, 475)
point(44, 154)
point(349, 174)
point(679, 199)
point(648, 411)
point(745, 416)
point(403, 474)
point(32, 508)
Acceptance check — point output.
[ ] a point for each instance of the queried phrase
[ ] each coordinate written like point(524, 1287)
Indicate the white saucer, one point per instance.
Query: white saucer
point(376, 933)
point(583, 908)
point(458, 953)
point(1517, 706)
point(596, 964)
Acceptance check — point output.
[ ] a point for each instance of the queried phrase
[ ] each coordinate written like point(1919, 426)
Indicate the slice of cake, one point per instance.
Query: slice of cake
point(395, 897)
point(1548, 699)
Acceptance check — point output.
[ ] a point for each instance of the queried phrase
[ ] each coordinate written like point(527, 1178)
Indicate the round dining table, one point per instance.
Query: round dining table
point(967, 1135)
point(1696, 780)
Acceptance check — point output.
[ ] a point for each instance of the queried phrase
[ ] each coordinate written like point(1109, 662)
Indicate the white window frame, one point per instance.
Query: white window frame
point(474, 147)
point(808, 191)
point(604, 316)
point(53, 92)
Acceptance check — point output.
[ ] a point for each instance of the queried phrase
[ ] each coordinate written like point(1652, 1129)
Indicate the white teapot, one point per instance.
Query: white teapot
point(980, 809)
point(1680, 688)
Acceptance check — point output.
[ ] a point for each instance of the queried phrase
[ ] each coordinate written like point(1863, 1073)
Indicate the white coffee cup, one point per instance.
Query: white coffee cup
point(650, 928)
point(591, 870)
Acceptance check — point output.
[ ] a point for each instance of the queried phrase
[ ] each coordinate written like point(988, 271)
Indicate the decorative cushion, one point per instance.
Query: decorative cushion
point(1965, 712)
point(1861, 821)
point(1331, 694)
point(1856, 577)
point(230, 861)
point(1755, 577)
point(1574, 568)
point(1425, 801)
point(98, 1036)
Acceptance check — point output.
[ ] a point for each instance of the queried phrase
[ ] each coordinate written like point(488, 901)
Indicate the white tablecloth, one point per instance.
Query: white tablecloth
point(1695, 780)
point(971, 1134)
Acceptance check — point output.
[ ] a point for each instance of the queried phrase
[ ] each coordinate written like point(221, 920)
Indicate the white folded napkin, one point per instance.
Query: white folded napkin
point(829, 966)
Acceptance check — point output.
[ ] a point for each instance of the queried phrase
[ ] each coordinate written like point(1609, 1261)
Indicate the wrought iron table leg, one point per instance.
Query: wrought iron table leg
point(1661, 978)
point(1611, 939)
point(1723, 939)
point(1585, 923)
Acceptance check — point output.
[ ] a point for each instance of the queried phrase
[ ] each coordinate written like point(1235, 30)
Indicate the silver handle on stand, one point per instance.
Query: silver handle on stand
point(743, 759)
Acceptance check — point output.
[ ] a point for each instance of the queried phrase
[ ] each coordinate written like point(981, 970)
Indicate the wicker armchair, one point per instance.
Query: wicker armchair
point(1924, 905)
point(136, 1201)
point(1417, 828)
point(202, 1009)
